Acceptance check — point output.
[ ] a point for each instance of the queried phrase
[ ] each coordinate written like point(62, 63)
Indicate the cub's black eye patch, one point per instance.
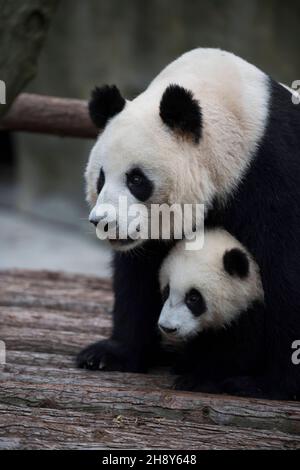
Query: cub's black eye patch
point(139, 184)
point(195, 302)
point(100, 181)
point(236, 263)
point(165, 293)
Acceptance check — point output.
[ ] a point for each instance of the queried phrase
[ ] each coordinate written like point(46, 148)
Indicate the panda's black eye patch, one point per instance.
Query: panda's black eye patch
point(139, 184)
point(165, 293)
point(100, 181)
point(195, 302)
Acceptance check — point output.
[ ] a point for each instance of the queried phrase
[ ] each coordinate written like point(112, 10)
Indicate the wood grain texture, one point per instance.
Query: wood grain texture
point(45, 402)
point(63, 429)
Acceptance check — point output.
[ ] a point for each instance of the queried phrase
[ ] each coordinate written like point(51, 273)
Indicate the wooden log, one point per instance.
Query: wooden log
point(55, 291)
point(24, 428)
point(26, 368)
point(54, 278)
point(33, 358)
point(139, 395)
point(40, 296)
point(58, 362)
point(45, 402)
point(44, 340)
point(49, 115)
point(46, 319)
point(72, 376)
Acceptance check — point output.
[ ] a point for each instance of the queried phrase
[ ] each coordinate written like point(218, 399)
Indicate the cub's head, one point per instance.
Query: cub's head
point(208, 288)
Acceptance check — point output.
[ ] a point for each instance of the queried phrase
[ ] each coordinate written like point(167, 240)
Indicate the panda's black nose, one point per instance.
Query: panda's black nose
point(168, 331)
point(94, 222)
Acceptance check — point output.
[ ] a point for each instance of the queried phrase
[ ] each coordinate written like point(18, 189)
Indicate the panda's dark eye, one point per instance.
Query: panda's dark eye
point(139, 184)
point(193, 296)
point(135, 180)
point(100, 181)
point(165, 293)
point(195, 302)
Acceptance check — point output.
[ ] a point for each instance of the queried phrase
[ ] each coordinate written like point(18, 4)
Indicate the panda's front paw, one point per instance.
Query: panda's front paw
point(103, 355)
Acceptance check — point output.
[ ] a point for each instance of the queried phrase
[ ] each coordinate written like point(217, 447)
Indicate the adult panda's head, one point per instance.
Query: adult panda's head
point(187, 139)
point(142, 153)
point(208, 288)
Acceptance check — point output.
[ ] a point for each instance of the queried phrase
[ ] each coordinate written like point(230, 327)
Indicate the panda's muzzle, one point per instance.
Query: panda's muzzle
point(107, 229)
point(94, 221)
point(168, 331)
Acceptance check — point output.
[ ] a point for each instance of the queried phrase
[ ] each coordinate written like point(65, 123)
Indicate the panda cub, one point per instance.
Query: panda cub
point(210, 297)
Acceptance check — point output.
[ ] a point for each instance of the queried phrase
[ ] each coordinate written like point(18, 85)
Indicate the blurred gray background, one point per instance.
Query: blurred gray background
point(43, 215)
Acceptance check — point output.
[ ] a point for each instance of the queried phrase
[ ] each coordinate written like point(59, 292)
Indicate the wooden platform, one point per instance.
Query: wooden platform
point(46, 403)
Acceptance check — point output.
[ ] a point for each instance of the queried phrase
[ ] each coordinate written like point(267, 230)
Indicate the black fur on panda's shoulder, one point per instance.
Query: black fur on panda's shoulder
point(264, 215)
point(180, 110)
point(236, 263)
point(104, 104)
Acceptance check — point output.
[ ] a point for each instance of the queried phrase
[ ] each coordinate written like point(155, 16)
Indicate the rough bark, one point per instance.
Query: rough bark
point(23, 29)
point(22, 428)
point(45, 402)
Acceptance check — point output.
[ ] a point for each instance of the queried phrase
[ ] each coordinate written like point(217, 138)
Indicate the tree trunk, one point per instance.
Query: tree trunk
point(23, 29)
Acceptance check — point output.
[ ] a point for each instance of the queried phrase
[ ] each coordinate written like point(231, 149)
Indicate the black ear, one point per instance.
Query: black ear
point(105, 103)
point(236, 263)
point(179, 110)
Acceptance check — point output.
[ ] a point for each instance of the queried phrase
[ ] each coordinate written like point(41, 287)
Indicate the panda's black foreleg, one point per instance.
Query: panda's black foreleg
point(134, 344)
point(220, 368)
point(248, 386)
point(243, 386)
point(240, 386)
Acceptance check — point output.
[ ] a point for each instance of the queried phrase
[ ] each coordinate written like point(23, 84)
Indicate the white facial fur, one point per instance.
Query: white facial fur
point(226, 296)
point(233, 96)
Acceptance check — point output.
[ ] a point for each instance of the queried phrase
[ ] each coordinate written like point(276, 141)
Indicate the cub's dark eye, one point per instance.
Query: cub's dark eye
point(165, 293)
point(100, 181)
point(195, 302)
point(139, 184)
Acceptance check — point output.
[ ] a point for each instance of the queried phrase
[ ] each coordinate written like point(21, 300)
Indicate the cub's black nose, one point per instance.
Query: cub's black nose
point(167, 330)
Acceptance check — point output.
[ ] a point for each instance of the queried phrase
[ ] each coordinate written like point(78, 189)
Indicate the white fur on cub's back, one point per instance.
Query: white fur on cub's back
point(226, 296)
point(233, 96)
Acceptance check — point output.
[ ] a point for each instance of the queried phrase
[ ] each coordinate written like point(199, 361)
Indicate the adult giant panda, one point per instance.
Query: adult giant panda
point(212, 298)
point(212, 129)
